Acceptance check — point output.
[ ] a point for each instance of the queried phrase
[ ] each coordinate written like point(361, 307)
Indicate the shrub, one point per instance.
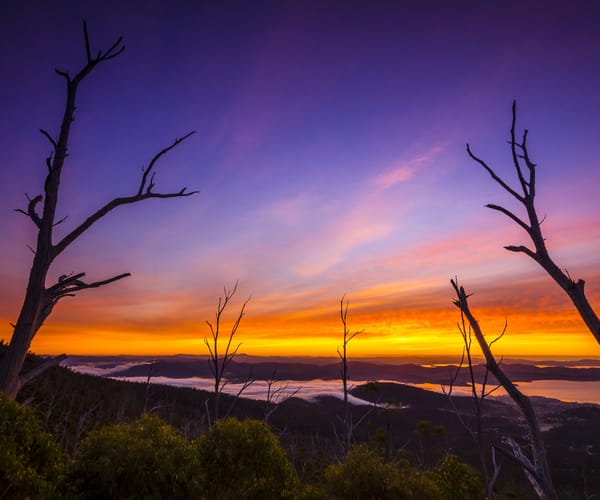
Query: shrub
point(31, 464)
point(146, 459)
point(244, 460)
point(364, 474)
point(457, 480)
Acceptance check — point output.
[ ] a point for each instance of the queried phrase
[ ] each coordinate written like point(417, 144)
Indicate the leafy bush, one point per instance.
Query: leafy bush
point(31, 464)
point(146, 459)
point(458, 481)
point(244, 460)
point(364, 474)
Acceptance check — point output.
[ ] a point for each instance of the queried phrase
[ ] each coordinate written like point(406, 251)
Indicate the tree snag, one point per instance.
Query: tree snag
point(526, 172)
point(536, 469)
point(218, 362)
point(348, 336)
point(479, 395)
point(40, 299)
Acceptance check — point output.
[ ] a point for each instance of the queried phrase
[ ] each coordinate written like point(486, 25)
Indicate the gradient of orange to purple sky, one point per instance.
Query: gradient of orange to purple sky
point(330, 157)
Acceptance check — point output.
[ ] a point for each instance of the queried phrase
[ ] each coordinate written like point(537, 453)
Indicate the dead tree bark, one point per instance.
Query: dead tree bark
point(536, 468)
point(525, 194)
point(478, 396)
point(348, 336)
point(276, 395)
point(218, 362)
point(40, 299)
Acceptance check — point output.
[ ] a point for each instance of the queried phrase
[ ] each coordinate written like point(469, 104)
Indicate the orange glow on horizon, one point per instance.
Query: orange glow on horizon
point(317, 332)
point(398, 318)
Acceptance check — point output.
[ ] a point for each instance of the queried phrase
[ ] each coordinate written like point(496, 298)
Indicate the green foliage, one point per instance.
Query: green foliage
point(146, 459)
point(31, 463)
point(364, 474)
point(458, 481)
point(244, 460)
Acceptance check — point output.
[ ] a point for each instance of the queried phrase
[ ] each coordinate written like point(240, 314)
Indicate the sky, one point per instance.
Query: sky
point(330, 159)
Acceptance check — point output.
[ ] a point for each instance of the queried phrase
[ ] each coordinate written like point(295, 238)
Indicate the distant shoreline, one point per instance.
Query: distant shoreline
point(573, 380)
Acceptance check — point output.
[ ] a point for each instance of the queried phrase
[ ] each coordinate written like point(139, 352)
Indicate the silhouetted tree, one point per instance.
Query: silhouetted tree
point(277, 395)
point(343, 354)
point(480, 390)
point(536, 468)
point(218, 362)
point(525, 195)
point(40, 299)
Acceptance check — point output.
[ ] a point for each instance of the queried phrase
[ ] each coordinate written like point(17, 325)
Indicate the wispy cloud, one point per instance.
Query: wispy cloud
point(394, 176)
point(406, 170)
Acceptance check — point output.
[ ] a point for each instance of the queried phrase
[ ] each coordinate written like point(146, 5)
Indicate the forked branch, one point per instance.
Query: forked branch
point(31, 211)
point(69, 285)
point(541, 471)
point(343, 355)
point(218, 362)
point(525, 170)
point(144, 193)
point(41, 210)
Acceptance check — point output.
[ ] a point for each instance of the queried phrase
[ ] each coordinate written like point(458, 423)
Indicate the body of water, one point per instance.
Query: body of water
point(564, 390)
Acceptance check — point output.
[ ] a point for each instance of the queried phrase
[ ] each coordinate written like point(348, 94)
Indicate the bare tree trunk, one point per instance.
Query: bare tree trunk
point(525, 195)
point(478, 397)
point(40, 300)
point(276, 396)
point(347, 337)
point(218, 362)
point(536, 469)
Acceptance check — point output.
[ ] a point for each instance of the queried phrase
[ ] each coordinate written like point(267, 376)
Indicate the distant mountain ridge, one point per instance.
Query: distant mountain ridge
point(187, 366)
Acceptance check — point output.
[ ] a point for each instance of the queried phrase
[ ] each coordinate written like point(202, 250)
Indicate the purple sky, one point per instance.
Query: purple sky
point(330, 156)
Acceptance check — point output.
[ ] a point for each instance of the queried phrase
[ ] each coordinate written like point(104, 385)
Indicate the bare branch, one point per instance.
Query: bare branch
point(39, 301)
point(31, 212)
point(68, 286)
point(540, 463)
point(527, 466)
point(513, 148)
point(520, 154)
point(501, 334)
point(39, 369)
point(493, 174)
point(116, 202)
point(247, 383)
point(509, 214)
point(113, 51)
point(88, 52)
point(49, 137)
point(64, 74)
point(523, 249)
point(156, 157)
point(347, 337)
point(218, 362)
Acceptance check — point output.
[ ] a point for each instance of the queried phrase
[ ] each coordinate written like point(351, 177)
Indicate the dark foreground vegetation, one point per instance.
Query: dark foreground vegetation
point(80, 436)
point(73, 436)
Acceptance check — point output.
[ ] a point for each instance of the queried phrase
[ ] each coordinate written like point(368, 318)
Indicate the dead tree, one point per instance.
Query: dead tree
point(218, 362)
point(478, 397)
point(277, 395)
point(347, 422)
point(40, 299)
point(536, 468)
point(532, 224)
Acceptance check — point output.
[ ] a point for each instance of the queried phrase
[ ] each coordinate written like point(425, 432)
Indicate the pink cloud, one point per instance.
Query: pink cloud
point(405, 170)
point(394, 176)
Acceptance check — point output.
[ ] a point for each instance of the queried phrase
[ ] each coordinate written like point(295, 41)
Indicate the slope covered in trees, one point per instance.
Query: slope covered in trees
point(74, 410)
